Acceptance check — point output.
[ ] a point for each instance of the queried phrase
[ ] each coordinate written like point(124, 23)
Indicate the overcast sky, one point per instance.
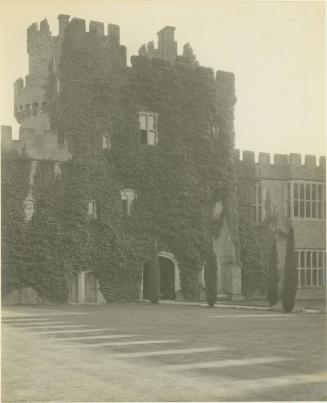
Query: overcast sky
point(276, 50)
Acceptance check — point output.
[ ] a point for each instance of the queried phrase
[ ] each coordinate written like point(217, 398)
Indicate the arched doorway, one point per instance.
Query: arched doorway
point(169, 279)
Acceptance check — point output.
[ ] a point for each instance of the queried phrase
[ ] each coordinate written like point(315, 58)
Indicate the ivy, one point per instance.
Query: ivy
point(255, 239)
point(177, 182)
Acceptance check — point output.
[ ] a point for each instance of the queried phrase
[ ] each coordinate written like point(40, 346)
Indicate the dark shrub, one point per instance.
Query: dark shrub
point(272, 280)
point(154, 275)
point(290, 275)
point(210, 277)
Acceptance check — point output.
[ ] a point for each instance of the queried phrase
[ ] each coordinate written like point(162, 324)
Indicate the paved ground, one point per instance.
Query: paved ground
point(314, 304)
point(141, 352)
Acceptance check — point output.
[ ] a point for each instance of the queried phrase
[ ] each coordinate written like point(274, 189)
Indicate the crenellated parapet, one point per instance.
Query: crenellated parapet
point(284, 166)
point(108, 37)
point(39, 48)
point(44, 53)
point(167, 48)
point(30, 94)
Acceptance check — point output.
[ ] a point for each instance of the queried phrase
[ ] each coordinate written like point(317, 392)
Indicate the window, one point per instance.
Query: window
point(92, 209)
point(217, 209)
point(28, 209)
point(258, 203)
point(311, 266)
point(215, 131)
point(106, 142)
point(127, 197)
point(308, 200)
point(148, 128)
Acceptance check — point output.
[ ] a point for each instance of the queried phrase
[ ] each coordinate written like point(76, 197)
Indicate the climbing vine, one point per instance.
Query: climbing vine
point(255, 238)
point(177, 182)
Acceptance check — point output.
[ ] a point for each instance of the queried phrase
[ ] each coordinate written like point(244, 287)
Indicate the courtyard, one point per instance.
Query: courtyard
point(164, 352)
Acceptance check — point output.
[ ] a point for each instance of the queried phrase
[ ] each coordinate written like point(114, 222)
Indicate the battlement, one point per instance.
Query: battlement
point(95, 27)
point(38, 36)
point(167, 48)
point(142, 62)
point(78, 27)
point(280, 159)
point(283, 166)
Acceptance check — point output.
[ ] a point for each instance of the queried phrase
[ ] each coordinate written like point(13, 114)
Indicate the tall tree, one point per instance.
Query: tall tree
point(290, 275)
point(154, 275)
point(210, 277)
point(272, 278)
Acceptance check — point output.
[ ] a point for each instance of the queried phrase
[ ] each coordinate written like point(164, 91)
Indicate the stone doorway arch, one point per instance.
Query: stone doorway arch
point(169, 277)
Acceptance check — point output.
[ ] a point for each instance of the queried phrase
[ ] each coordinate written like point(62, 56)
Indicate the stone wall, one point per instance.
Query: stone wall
point(274, 177)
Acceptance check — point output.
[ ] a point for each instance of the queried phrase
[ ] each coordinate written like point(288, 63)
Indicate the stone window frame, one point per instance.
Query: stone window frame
point(92, 209)
point(258, 203)
point(106, 144)
point(215, 131)
point(31, 203)
point(306, 200)
point(217, 209)
point(311, 268)
point(147, 129)
point(127, 197)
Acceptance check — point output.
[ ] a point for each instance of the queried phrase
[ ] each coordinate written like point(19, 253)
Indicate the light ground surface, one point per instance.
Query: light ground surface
point(161, 353)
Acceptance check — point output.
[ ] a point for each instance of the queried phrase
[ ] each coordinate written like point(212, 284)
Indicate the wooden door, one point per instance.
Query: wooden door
point(90, 287)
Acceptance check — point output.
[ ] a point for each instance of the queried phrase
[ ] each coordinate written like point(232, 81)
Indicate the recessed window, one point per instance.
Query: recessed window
point(92, 209)
point(28, 209)
point(215, 131)
point(258, 203)
point(311, 266)
point(127, 197)
point(106, 145)
point(306, 200)
point(148, 128)
point(217, 209)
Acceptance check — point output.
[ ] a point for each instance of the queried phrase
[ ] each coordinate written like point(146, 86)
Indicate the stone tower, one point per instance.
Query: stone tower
point(29, 94)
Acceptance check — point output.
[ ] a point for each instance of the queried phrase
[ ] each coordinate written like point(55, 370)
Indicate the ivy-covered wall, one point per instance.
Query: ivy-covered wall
point(177, 181)
point(255, 238)
point(31, 251)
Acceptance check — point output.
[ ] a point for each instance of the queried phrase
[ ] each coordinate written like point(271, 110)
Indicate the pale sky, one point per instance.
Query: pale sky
point(276, 50)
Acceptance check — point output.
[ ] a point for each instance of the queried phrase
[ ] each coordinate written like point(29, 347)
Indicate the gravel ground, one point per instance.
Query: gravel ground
point(255, 355)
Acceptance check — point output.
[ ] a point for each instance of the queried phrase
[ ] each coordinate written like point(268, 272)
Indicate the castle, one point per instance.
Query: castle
point(111, 158)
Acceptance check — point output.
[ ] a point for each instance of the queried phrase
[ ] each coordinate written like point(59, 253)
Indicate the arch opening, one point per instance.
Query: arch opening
point(168, 277)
